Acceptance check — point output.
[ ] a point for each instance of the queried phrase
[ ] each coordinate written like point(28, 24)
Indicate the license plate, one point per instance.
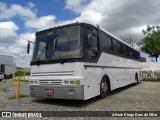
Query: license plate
point(49, 91)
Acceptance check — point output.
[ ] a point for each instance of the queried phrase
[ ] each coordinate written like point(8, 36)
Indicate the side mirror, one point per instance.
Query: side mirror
point(28, 47)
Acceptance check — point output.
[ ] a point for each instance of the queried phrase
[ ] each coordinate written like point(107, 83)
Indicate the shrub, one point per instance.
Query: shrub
point(21, 73)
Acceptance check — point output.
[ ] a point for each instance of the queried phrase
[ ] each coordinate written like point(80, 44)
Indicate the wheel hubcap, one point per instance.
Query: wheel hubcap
point(104, 86)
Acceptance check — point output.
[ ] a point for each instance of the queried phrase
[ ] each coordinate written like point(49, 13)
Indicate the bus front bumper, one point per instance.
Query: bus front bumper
point(73, 92)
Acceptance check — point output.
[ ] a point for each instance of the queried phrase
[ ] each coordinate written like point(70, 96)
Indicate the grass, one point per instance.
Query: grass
point(21, 73)
point(20, 96)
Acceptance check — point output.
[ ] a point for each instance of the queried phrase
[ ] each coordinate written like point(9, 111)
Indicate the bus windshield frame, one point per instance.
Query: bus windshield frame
point(58, 43)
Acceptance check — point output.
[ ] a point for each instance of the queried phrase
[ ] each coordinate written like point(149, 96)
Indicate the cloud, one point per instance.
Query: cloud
point(15, 10)
point(30, 5)
point(23, 59)
point(8, 32)
point(17, 49)
point(9, 25)
point(41, 22)
point(23, 38)
point(119, 15)
point(12, 43)
point(76, 5)
point(27, 14)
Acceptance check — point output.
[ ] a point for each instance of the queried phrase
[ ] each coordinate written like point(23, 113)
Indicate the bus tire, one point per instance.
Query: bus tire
point(136, 78)
point(10, 76)
point(104, 88)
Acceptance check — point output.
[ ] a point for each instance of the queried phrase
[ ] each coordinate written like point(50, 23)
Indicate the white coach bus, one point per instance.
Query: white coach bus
point(79, 61)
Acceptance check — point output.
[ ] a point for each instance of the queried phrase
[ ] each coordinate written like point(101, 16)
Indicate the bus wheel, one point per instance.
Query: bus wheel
point(104, 88)
point(136, 78)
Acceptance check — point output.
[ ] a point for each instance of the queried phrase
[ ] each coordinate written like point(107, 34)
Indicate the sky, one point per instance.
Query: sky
point(20, 19)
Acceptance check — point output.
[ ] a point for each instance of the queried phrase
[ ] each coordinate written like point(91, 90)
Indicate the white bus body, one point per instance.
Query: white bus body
point(82, 79)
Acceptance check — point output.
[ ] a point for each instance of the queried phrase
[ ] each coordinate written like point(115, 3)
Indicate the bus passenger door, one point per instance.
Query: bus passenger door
point(91, 58)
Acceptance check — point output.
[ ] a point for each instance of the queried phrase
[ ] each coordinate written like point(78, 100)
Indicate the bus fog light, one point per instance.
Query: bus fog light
point(71, 82)
point(65, 82)
point(31, 82)
point(77, 82)
point(35, 82)
point(71, 92)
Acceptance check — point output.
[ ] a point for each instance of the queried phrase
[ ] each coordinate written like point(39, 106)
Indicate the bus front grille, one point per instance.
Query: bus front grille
point(50, 82)
point(58, 73)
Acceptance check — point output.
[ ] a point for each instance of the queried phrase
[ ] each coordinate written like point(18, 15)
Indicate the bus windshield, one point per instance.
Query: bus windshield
point(59, 43)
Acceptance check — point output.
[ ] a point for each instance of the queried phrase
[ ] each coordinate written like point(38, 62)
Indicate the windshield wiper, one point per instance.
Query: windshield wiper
point(58, 52)
point(39, 57)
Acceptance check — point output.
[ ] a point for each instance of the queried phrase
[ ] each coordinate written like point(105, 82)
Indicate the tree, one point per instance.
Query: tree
point(129, 39)
point(150, 44)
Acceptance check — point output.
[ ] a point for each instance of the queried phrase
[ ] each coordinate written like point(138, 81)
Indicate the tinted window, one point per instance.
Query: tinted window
point(130, 52)
point(91, 29)
point(106, 42)
point(124, 50)
point(92, 42)
point(56, 43)
point(116, 46)
point(136, 55)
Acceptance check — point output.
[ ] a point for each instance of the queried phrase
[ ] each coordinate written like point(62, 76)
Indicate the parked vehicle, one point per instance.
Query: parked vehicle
point(80, 61)
point(7, 66)
point(1, 76)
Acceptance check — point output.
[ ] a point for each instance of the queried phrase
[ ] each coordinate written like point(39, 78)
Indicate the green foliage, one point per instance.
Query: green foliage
point(150, 44)
point(27, 73)
point(21, 73)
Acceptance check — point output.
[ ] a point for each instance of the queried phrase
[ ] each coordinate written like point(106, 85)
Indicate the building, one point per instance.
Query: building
point(7, 66)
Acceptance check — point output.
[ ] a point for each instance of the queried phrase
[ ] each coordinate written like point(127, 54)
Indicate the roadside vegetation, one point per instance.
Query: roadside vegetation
point(151, 76)
point(21, 73)
point(150, 44)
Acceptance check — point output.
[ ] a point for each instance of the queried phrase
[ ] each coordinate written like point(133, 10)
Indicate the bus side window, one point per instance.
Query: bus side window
point(138, 55)
point(92, 45)
point(106, 42)
point(109, 46)
point(116, 46)
point(91, 29)
point(124, 50)
point(130, 52)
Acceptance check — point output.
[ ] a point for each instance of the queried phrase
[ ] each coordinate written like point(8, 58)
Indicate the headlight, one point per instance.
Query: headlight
point(31, 82)
point(34, 82)
point(65, 82)
point(71, 82)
